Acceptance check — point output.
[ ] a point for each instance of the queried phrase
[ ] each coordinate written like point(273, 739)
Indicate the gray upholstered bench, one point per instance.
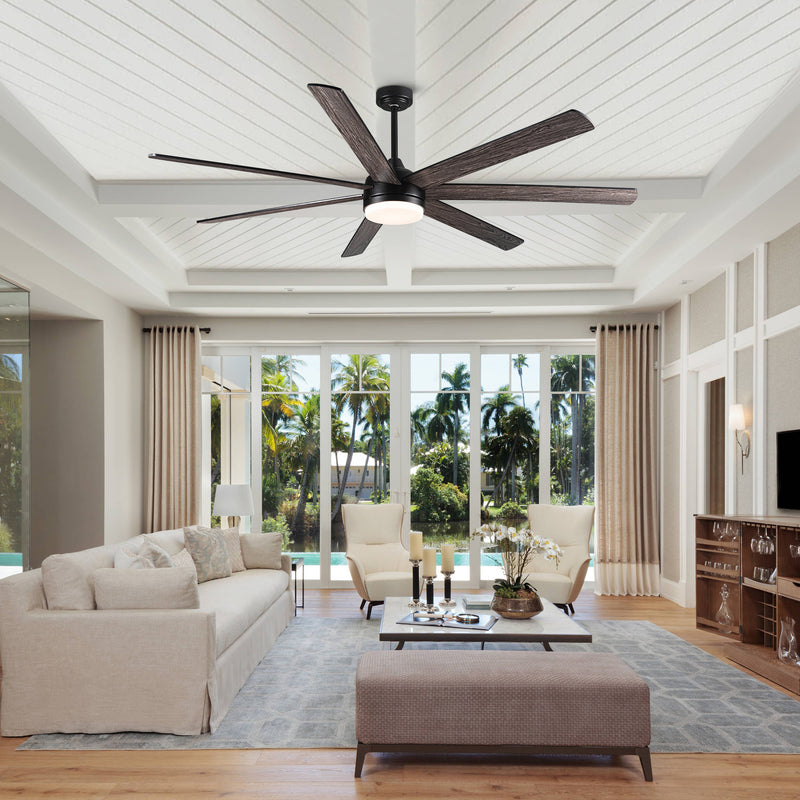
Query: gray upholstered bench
point(462, 701)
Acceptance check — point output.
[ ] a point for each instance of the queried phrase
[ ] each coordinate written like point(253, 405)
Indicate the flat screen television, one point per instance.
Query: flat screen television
point(788, 469)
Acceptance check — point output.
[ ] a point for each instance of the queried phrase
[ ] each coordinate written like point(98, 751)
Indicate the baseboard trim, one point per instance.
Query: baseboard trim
point(674, 591)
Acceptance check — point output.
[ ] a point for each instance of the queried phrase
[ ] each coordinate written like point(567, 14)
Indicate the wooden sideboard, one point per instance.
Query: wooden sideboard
point(763, 586)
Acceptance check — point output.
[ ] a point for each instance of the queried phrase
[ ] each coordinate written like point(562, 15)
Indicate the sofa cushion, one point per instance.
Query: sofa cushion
point(234, 548)
point(207, 548)
point(261, 550)
point(127, 557)
point(67, 578)
point(183, 559)
point(146, 588)
point(171, 540)
point(240, 600)
point(157, 555)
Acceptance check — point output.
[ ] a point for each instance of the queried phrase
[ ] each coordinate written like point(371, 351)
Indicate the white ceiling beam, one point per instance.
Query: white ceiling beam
point(423, 301)
point(197, 199)
point(511, 277)
point(295, 278)
point(425, 277)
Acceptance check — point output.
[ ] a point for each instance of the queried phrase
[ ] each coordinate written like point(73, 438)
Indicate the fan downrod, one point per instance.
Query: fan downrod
point(397, 98)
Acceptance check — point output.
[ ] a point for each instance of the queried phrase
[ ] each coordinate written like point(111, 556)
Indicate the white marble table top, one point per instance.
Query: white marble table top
point(551, 625)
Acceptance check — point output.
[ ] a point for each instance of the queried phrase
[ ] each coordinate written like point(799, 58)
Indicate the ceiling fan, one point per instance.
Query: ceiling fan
point(394, 195)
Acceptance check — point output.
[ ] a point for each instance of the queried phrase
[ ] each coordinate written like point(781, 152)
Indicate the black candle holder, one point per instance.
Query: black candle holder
point(430, 606)
point(448, 602)
point(415, 601)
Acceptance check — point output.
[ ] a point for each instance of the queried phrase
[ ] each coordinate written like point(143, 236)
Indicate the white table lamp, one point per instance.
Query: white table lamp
point(233, 500)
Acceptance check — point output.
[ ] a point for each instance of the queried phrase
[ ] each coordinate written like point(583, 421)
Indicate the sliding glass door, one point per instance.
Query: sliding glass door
point(459, 437)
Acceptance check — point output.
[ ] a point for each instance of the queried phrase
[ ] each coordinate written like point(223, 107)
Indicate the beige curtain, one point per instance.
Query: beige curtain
point(174, 428)
point(626, 430)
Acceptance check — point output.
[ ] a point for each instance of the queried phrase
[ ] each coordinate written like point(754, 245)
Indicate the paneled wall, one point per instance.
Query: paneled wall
point(744, 325)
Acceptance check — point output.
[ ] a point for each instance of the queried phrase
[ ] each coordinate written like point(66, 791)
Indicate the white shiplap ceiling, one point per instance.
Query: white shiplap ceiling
point(682, 93)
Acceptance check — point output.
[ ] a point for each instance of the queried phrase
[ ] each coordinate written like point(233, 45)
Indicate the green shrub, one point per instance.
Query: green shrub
point(439, 458)
point(278, 525)
point(436, 501)
point(511, 511)
point(6, 539)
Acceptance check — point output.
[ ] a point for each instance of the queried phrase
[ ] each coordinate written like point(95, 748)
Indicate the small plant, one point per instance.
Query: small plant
point(516, 549)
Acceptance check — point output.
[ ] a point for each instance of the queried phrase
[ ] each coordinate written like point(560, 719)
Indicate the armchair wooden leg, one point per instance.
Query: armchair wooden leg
point(571, 608)
point(563, 607)
point(363, 603)
point(371, 604)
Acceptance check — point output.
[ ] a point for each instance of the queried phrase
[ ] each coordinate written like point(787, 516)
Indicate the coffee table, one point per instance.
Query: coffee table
point(551, 625)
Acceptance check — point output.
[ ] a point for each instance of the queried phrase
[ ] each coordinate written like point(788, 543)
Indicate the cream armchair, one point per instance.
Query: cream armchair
point(378, 561)
point(570, 527)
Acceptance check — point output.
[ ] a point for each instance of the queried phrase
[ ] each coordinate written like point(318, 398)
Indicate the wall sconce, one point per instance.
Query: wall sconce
point(736, 423)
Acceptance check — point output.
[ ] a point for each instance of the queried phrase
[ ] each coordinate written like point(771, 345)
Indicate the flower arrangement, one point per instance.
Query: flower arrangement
point(517, 548)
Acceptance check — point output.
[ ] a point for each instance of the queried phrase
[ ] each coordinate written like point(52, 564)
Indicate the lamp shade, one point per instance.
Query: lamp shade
point(233, 500)
point(736, 417)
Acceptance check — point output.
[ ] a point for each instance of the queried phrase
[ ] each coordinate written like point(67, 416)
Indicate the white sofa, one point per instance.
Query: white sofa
point(168, 670)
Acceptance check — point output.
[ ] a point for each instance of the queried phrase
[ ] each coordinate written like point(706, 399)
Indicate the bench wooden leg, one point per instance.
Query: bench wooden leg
point(644, 757)
point(360, 753)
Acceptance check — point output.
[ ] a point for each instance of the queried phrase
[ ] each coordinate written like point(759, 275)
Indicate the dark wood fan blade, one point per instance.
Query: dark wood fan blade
point(545, 194)
point(295, 176)
point(347, 120)
point(278, 209)
point(473, 226)
point(549, 131)
point(364, 234)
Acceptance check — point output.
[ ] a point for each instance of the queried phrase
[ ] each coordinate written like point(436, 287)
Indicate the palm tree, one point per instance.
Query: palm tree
point(453, 402)
point(304, 428)
point(519, 438)
point(355, 379)
point(495, 408)
point(520, 361)
point(278, 405)
point(568, 376)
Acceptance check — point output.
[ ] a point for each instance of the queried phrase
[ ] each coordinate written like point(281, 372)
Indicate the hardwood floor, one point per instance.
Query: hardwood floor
point(323, 774)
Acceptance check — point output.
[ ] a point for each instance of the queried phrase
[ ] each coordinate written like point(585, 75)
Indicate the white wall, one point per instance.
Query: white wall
point(745, 326)
point(87, 378)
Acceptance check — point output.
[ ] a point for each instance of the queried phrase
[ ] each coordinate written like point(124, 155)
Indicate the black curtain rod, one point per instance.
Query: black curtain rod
point(593, 328)
point(191, 327)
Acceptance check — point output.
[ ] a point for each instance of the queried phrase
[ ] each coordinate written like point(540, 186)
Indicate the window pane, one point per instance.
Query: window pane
point(510, 460)
point(587, 373)
point(425, 372)
point(440, 459)
point(572, 430)
point(290, 425)
point(495, 371)
point(525, 372)
point(359, 441)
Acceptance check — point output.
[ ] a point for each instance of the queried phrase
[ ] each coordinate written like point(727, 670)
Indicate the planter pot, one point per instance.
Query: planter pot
point(522, 607)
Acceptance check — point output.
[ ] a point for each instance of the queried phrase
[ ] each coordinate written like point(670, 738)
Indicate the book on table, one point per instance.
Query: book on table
point(485, 621)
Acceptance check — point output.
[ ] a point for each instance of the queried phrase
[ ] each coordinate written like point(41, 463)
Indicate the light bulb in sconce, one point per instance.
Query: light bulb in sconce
point(736, 422)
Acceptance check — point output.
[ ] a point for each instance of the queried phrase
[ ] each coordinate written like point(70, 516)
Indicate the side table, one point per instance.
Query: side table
point(299, 562)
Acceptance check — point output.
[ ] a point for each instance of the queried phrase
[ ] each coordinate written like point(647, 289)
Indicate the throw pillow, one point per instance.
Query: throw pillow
point(207, 548)
point(261, 550)
point(146, 588)
point(67, 578)
point(183, 559)
point(127, 557)
point(234, 548)
point(158, 556)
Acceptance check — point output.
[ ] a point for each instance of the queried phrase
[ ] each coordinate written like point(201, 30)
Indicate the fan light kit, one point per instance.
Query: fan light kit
point(394, 195)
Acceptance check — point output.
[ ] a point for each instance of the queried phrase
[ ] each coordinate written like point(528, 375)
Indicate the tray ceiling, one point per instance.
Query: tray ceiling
point(681, 94)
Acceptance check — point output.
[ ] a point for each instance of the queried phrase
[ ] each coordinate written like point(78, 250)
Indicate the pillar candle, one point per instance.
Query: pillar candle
point(415, 545)
point(428, 562)
point(448, 558)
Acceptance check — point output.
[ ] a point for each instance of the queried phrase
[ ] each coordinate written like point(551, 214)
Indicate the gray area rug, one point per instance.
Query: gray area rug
point(302, 695)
